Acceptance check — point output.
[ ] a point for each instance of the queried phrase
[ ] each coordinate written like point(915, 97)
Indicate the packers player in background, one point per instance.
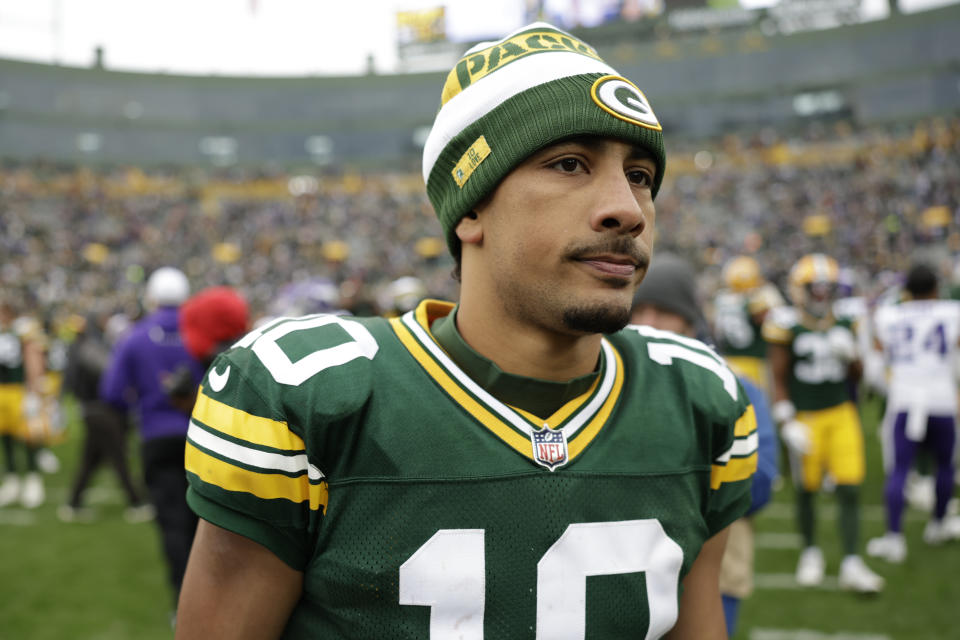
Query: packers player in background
point(49, 429)
point(812, 356)
point(460, 471)
point(22, 383)
point(739, 311)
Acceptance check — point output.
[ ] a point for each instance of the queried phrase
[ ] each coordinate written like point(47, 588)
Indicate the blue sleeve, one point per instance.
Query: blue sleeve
point(767, 449)
point(115, 380)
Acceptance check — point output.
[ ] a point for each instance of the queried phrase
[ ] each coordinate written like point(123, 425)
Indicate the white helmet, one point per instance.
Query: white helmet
point(167, 287)
point(403, 294)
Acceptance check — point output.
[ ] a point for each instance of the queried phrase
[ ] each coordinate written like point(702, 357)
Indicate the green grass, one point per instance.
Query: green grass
point(106, 580)
point(102, 580)
point(920, 595)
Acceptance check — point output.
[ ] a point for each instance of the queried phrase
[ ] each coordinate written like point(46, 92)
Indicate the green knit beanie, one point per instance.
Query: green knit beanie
point(505, 100)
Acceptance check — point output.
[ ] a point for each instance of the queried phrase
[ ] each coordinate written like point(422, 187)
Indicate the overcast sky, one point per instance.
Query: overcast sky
point(288, 37)
point(260, 37)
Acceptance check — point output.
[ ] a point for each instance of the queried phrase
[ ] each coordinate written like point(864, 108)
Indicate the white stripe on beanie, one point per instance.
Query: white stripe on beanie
point(490, 91)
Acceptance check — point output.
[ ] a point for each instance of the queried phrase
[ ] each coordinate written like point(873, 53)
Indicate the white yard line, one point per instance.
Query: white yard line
point(787, 581)
point(868, 512)
point(103, 495)
point(17, 517)
point(771, 540)
point(808, 634)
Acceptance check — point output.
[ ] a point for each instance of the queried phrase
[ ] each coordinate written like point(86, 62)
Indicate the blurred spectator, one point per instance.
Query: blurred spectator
point(402, 295)
point(21, 404)
point(105, 437)
point(141, 362)
point(75, 234)
point(210, 322)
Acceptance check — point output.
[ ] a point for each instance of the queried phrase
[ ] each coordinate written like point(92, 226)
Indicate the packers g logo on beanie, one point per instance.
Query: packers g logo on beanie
point(507, 99)
point(622, 99)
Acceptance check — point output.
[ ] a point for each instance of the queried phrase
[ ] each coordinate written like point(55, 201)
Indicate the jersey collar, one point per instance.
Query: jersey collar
point(579, 420)
point(539, 397)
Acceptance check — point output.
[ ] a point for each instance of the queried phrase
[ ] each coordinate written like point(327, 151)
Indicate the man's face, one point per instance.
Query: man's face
point(820, 297)
point(568, 234)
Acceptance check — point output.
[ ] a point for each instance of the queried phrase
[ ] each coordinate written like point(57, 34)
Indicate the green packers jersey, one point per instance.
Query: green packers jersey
point(11, 357)
point(737, 332)
point(419, 506)
point(818, 378)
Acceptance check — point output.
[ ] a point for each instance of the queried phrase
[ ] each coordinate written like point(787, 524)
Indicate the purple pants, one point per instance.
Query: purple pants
point(940, 439)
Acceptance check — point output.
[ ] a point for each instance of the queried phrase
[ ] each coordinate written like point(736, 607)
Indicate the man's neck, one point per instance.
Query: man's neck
point(525, 349)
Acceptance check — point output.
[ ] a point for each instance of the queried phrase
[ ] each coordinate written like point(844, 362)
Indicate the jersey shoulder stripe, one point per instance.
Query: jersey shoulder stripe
point(739, 462)
point(233, 446)
point(779, 325)
point(244, 426)
point(257, 477)
point(667, 349)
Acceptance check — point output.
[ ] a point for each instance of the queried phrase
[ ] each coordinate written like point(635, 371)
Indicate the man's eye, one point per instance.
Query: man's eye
point(639, 177)
point(568, 165)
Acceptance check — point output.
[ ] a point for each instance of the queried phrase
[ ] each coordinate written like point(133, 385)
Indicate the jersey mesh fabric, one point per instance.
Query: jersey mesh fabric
point(817, 378)
point(372, 528)
point(11, 357)
point(347, 474)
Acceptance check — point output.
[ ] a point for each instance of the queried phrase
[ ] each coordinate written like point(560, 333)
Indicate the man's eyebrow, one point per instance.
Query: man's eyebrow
point(594, 143)
point(640, 153)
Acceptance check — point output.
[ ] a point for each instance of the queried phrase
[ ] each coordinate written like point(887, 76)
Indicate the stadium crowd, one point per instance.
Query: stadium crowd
point(77, 238)
point(79, 241)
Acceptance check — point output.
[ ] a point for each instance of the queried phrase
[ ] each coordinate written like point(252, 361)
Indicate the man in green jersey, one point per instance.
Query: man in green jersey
point(739, 311)
point(21, 405)
point(518, 466)
point(812, 355)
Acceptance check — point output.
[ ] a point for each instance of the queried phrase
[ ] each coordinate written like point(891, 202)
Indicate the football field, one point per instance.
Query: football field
point(916, 604)
point(105, 580)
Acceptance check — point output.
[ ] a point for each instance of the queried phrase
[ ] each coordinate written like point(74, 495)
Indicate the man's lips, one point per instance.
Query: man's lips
point(612, 265)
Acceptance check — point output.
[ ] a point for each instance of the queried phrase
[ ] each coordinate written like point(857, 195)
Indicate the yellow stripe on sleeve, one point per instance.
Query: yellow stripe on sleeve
point(263, 485)
point(775, 334)
point(746, 424)
point(736, 469)
point(245, 426)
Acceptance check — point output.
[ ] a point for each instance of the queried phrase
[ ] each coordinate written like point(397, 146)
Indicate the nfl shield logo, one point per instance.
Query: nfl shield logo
point(549, 448)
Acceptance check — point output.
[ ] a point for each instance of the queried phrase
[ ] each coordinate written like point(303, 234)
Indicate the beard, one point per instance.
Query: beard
point(608, 318)
point(596, 319)
point(550, 307)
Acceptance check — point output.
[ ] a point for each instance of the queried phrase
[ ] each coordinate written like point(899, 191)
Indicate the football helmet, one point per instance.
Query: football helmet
point(167, 287)
point(813, 283)
point(742, 274)
point(402, 295)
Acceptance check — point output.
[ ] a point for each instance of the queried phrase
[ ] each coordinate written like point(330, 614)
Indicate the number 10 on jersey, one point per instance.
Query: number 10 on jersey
point(447, 574)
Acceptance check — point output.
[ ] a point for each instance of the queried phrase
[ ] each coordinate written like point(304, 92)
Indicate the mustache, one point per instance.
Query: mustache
point(620, 246)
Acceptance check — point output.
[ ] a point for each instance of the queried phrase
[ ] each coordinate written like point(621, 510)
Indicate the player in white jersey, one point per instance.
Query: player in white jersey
point(920, 339)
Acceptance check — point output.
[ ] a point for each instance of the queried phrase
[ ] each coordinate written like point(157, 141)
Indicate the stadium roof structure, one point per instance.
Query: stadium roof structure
point(700, 83)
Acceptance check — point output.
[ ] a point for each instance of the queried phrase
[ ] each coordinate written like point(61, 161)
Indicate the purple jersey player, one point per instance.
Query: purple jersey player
point(919, 339)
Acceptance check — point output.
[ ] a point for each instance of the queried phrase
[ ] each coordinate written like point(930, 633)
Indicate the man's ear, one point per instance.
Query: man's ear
point(469, 230)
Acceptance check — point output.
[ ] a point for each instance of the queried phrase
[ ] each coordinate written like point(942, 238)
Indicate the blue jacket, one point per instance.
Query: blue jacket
point(767, 449)
point(150, 353)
